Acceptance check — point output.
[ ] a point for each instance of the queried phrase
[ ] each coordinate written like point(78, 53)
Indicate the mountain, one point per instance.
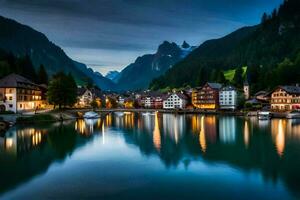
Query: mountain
point(113, 76)
point(21, 40)
point(139, 74)
point(98, 79)
point(265, 45)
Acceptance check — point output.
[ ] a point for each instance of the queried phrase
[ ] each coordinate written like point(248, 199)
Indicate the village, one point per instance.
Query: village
point(20, 95)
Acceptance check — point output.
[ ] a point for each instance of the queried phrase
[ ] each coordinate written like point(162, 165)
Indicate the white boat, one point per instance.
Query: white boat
point(148, 113)
point(119, 114)
point(264, 115)
point(91, 115)
point(293, 115)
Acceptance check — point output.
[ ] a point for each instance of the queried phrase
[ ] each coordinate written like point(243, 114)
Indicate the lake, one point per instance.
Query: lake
point(152, 156)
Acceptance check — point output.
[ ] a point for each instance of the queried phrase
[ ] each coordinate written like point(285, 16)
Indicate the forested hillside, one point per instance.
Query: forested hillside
point(267, 49)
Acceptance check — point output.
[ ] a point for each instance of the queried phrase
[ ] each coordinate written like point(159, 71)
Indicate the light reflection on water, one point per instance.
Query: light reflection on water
point(270, 148)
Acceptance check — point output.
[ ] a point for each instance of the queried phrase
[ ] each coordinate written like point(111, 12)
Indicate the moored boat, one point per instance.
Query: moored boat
point(264, 115)
point(91, 115)
point(294, 115)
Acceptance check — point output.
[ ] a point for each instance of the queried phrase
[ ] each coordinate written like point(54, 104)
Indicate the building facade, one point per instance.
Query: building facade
point(228, 98)
point(175, 101)
point(285, 98)
point(18, 94)
point(206, 97)
point(85, 97)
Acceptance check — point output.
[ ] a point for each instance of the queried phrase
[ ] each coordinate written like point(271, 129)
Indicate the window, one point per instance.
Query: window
point(10, 98)
point(10, 105)
point(21, 105)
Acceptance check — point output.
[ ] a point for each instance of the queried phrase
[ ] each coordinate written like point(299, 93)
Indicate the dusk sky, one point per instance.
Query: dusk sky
point(109, 34)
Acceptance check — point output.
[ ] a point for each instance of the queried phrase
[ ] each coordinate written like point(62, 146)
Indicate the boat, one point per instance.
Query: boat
point(91, 115)
point(294, 115)
point(119, 114)
point(264, 115)
point(148, 113)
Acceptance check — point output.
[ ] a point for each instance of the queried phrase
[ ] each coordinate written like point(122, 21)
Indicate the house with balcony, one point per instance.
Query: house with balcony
point(18, 94)
point(285, 98)
point(206, 97)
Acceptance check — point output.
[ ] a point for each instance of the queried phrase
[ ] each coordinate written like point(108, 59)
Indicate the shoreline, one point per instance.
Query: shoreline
point(73, 114)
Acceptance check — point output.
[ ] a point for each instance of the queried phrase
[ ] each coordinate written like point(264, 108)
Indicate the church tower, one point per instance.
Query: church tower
point(246, 90)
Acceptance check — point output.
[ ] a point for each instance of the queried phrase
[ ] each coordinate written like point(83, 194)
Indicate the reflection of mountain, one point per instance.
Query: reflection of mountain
point(27, 152)
point(235, 141)
point(175, 139)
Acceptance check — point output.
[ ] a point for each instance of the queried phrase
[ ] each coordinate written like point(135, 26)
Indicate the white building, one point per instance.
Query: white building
point(175, 100)
point(18, 94)
point(228, 98)
point(149, 101)
point(85, 97)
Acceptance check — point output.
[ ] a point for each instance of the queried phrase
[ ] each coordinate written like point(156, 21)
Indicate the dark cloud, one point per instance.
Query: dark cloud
point(132, 27)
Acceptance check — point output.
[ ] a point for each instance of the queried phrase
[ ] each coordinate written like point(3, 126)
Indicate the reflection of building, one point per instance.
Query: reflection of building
point(207, 97)
point(19, 94)
point(86, 126)
point(20, 141)
point(227, 129)
point(175, 100)
point(156, 133)
point(278, 128)
point(285, 98)
point(228, 98)
point(173, 126)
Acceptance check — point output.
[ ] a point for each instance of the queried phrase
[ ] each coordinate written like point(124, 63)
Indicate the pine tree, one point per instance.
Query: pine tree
point(42, 75)
point(238, 77)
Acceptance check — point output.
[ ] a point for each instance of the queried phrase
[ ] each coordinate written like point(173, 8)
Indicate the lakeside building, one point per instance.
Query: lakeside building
point(285, 98)
point(206, 97)
point(86, 96)
point(129, 102)
point(228, 98)
point(151, 100)
point(18, 94)
point(175, 100)
point(158, 102)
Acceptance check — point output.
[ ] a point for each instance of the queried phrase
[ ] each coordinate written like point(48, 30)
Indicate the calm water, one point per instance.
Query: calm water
point(162, 156)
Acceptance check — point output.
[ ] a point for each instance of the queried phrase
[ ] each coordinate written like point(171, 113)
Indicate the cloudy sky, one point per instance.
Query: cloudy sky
point(110, 34)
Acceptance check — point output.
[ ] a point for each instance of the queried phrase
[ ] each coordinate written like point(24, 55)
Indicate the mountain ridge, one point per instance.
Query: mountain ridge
point(22, 40)
point(139, 74)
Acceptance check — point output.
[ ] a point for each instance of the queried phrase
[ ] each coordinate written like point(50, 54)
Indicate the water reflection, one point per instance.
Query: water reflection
point(227, 129)
point(273, 148)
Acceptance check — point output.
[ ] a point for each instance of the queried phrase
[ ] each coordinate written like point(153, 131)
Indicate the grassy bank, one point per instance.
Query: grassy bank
point(35, 119)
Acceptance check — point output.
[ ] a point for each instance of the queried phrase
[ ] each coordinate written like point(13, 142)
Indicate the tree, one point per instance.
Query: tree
point(238, 77)
point(25, 68)
point(62, 90)
point(221, 77)
point(94, 104)
point(42, 75)
point(264, 18)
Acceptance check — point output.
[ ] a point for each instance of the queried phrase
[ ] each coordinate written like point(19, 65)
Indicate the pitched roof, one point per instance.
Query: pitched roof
point(228, 88)
point(180, 95)
point(81, 91)
point(17, 81)
point(215, 85)
point(291, 89)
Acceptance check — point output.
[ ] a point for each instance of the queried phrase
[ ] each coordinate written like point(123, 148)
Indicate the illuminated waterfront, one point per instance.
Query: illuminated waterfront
point(153, 156)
